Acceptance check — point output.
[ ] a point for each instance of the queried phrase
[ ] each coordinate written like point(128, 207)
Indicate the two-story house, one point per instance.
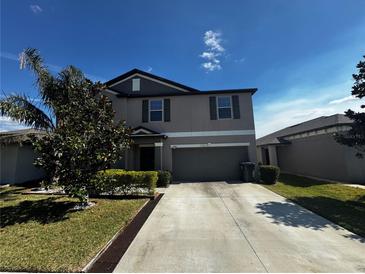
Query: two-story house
point(197, 135)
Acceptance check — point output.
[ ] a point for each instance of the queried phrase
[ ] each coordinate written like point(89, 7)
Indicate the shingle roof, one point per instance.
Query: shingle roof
point(19, 136)
point(193, 91)
point(208, 92)
point(317, 123)
point(134, 71)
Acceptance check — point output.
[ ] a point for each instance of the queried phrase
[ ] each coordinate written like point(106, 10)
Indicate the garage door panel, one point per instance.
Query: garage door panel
point(207, 164)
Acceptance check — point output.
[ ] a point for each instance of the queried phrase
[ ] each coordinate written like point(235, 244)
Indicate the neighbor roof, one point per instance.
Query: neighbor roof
point(19, 136)
point(192, 91)
point(317, 123)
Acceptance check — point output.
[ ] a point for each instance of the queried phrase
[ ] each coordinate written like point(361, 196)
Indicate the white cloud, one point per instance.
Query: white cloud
point(272, 116)
point(7, 124)
point(212, 41)
point(210, 66)
point(241, 60)
point(54, 68)
point(208, 55)
point(343, 100)
point(35, 9)
point(9, 56)
point(292, 115)
point(306, 90)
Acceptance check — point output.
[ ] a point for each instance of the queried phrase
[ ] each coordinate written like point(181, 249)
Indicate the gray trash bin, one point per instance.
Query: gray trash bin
point(247, 171)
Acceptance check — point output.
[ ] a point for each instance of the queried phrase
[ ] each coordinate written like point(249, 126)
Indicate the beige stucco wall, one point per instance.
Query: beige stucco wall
point(258, 154)
point(321, 156)
point(188, 114)
point(16, 164)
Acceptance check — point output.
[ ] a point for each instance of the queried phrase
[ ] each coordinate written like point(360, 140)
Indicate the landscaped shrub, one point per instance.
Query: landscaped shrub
point(164, 178)
point(269, 174)
point(119, 181)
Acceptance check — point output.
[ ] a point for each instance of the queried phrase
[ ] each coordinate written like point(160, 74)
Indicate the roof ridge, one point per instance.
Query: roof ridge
point(316, 123)
point(147, 74)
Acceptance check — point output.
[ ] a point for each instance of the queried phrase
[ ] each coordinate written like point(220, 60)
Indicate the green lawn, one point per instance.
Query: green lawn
point(42, 233)
point(341, 204)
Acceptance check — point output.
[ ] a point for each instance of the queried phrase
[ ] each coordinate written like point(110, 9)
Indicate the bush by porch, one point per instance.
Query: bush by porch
point(119, 181)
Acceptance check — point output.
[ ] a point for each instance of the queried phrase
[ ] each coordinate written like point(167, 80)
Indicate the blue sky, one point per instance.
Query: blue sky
point(299, 54)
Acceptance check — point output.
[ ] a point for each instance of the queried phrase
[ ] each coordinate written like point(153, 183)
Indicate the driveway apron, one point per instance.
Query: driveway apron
point(222, 227)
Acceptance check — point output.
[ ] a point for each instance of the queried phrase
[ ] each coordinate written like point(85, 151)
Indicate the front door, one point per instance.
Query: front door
point(147, 158)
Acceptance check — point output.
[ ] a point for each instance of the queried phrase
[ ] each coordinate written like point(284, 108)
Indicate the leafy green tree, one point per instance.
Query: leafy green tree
point(82, 135)
point(355, 137)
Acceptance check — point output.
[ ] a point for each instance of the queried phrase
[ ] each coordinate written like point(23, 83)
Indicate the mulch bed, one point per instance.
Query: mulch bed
point(99, 196)
point(110, 257)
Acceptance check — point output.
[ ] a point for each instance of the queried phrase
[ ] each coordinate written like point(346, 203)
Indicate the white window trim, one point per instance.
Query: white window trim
point(162, 110)
point(231, 107)
point(136, 84)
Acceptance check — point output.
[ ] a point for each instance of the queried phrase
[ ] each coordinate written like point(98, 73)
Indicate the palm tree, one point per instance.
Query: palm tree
point(82, 137)
point(20, 107)
point(53, 91)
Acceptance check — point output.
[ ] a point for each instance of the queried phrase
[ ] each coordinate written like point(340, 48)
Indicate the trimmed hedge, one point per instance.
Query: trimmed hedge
point(269, 174)
point(164, 178)
point(119, 181)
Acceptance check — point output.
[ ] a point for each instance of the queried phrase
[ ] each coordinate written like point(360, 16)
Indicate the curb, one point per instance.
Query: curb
point(108, 257)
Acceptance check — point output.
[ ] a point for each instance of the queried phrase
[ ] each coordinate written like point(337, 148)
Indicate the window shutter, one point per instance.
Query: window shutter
point(213, 108)
point(166, 110)
point(145, 111)
point(236, 107)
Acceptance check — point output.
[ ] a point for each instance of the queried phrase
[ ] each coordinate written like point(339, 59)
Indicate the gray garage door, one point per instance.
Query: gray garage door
point(207, 164)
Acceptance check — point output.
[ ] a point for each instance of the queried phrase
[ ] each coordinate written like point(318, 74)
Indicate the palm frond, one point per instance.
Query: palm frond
point(31, 59)
point(21, 109)
point(72, 75)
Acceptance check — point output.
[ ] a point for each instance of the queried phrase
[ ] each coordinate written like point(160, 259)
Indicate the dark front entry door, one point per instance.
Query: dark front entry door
point(147, 158)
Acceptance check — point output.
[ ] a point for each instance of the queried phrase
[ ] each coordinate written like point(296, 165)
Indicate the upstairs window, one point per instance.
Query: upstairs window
point(224, 107)
point(136, 84)
point(156, 110)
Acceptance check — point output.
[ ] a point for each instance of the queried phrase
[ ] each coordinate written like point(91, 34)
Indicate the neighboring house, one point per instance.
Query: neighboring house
point(197, 135)
point(309, 149)
point(17, 157)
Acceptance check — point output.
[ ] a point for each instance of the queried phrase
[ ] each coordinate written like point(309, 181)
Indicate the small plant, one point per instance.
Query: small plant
point(164, 178)
point(269, 174)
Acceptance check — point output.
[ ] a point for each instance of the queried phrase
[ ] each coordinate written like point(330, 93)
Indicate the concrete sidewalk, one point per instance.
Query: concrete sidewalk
point(220, 227)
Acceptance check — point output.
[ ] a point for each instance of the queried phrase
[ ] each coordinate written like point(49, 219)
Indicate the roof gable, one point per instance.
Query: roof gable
point(143, 131)
point(150, 84)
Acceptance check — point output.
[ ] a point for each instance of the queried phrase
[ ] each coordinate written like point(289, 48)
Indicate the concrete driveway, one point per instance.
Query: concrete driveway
point(220, 227)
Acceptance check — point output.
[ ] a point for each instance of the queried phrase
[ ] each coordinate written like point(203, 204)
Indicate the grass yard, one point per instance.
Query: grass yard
point(341, 204)
point(42, 233)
